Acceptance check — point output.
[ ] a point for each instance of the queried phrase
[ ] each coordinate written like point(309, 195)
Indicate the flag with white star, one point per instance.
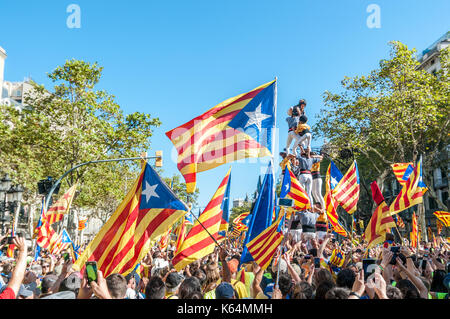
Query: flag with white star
point(238, 128)
point(147, 212)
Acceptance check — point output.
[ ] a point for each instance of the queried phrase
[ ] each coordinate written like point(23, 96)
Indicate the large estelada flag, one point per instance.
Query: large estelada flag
point(411, 193)
point(264, 246)
point(380, 222)
point(198, 242)
point(238, 128)
point(291, 188)
point(331, 180)
point(346, 192)
point(61, 207)
point(147, 212)
point(444, 217)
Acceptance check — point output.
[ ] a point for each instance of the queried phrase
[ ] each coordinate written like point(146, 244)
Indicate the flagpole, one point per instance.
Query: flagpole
point(282, 245)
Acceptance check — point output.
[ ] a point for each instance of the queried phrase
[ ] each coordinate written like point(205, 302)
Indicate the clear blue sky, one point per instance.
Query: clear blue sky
point(176, 59)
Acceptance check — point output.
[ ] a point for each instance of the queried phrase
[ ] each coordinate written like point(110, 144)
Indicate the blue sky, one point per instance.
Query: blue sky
point(177, 59)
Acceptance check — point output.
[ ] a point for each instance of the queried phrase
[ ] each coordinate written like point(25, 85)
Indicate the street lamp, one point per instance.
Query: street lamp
point(5, 185)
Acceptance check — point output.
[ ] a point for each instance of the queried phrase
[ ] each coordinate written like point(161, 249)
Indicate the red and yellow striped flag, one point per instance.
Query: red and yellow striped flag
point(331, 206)
point(415, 231)
point(410, 194)
point(198, 243)
point(264, 246)
point(61, 207)
point(181, 234)
point(380, 222)
point(82, 224)
point(400, 222)
point(346, 192)
point(444, 217)
point(399, 171)
point(298, 194)
point(222, 134)
point(147, 212)
point(439, 227)
point(164, 240)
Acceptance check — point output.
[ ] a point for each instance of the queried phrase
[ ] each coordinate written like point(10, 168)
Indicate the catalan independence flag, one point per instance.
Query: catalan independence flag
point(237, 128)
point(291, 188)
point(61, 207)
point(149, 209)
point(411, 193)
point(331, 180)
point(346, 192)
point(264, 246)
point(82, 224)
point(399, 171)
point(380, 222)
point(444, 217)
point(198, 242)
point(11, 247)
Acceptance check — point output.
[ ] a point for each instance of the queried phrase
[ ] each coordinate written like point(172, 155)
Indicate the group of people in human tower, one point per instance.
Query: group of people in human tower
point(305, 165)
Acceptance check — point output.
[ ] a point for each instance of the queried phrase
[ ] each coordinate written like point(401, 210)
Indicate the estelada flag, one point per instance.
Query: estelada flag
point(82, 224)
point(444, 217)
point(331, 180)
point(199, 242)
point(346, 192)
point(411, 192)
point(291, 188)
point(61, 207)
point(237, 128)
point(399, 171)
point(147, 212)
point(264, 246)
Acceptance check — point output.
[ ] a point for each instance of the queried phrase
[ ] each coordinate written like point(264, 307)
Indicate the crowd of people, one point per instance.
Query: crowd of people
point(308, 269)
point(312, 263)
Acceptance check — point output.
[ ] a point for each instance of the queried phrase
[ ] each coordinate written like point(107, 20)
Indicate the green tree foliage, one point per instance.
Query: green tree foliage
point(71, 124)
point(394, 114)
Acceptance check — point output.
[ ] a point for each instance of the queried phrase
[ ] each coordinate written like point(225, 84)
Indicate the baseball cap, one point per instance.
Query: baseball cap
point(173, 280)
point(61, 295)
point(224, 291)
point(71, 283)
point(24, 292)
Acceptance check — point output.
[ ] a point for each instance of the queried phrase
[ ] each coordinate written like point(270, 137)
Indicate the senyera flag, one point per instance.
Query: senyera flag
point(147, 212)
point(381, 220)
point(238, 128)
point(200, 242)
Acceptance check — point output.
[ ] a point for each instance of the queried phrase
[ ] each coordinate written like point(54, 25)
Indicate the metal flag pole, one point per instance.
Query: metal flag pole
point(282, 246)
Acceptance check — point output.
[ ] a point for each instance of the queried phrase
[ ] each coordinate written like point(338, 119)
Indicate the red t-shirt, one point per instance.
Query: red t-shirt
point(8, 293)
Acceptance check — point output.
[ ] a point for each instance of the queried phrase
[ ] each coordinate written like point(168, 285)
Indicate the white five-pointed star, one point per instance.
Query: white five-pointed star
point(149, 191)
point(256, 117)
point(334, 182)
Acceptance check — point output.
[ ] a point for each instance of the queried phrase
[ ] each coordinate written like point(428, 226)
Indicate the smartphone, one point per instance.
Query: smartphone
point(395, 249)
point(91, 271)
point(316, 262)
point(369, 266)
